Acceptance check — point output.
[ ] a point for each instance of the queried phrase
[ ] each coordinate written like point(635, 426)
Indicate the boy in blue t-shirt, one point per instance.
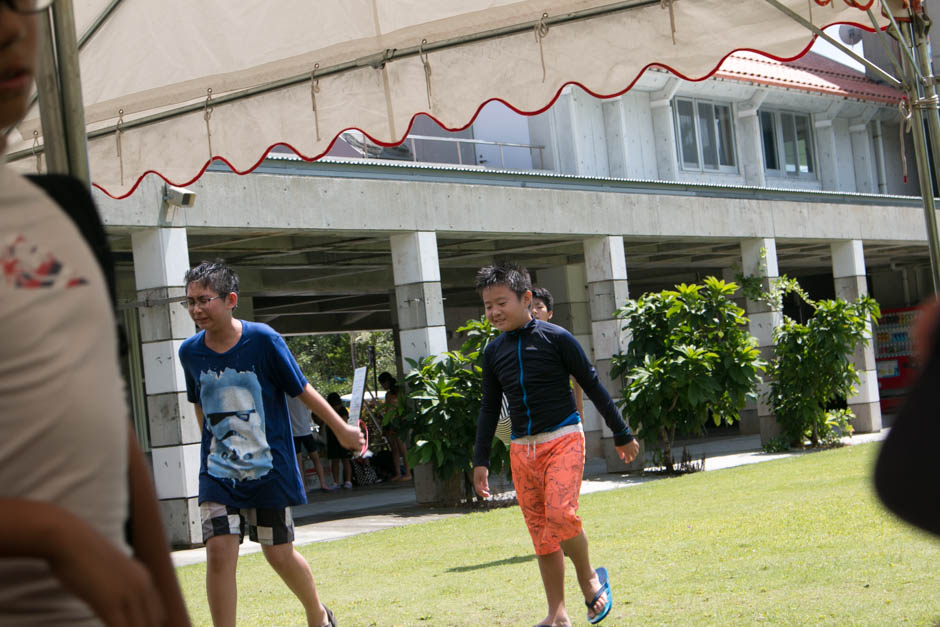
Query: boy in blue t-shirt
point(237, 373)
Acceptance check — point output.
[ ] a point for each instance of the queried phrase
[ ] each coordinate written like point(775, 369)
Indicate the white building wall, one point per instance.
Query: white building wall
point(542, 133)
point(893, 163)
point(845, 165)
point(638, 139)
point(588, 134)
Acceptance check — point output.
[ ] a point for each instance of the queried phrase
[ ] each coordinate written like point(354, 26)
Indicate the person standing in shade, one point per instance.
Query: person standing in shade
point(237, 375)
point(334, 451)
point(531, 361)
point(302, 429)
point(392, 429)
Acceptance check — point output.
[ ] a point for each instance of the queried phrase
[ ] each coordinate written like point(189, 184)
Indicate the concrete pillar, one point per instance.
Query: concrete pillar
point(834, 163)
point(828, 154)
point(160, 260)
point(848, 272)
point(664, 131)
point(606, 268)
point(568, 285)
point(418, 300)
point(616, 131)
point(750, 144)
point(759, 259)
point(863, 158)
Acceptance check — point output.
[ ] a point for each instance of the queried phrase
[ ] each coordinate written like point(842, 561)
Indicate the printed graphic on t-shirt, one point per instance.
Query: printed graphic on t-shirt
point(234, 414)
point(27, 266)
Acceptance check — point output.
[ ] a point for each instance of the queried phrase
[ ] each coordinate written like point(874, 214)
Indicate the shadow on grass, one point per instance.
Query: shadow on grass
point(519, 559)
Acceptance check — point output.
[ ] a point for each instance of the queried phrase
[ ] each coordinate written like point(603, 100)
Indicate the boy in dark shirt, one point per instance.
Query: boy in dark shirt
point(530, 363)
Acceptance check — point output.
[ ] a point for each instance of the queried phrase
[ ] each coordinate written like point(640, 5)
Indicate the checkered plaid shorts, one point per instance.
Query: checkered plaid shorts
point(265, 526)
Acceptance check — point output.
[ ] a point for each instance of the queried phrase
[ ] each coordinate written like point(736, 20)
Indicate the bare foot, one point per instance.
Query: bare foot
point(598, 607)
point(558, 621)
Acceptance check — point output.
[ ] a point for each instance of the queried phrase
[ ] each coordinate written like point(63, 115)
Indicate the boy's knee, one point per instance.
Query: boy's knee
point(222, 552)
point(278, 555)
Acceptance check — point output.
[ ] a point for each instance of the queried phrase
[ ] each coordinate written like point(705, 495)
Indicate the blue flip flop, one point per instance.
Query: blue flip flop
point(605, 587)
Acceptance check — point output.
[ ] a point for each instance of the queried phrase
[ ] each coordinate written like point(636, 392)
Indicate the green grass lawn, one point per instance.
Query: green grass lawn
point(795, 541)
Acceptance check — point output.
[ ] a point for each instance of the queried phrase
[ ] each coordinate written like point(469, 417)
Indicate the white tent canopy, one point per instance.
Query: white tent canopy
point(150, 67)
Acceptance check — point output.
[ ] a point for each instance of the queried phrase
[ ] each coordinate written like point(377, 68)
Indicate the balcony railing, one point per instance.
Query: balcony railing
point(371, 151)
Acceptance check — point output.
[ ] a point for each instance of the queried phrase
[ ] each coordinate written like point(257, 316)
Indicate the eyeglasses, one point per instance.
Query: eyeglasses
point(202, 301)
point(27, 6)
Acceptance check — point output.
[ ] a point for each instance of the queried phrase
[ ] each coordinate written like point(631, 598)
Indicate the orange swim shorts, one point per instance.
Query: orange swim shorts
point(547, 477)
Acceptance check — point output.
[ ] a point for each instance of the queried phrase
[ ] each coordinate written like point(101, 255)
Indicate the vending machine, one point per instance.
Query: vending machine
point(894, 357)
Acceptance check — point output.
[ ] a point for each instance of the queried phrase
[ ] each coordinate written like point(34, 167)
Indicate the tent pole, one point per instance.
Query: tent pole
point(917, 103)
point(70, 85)
point(931, 110)
point(50, 104)
point(58, 86)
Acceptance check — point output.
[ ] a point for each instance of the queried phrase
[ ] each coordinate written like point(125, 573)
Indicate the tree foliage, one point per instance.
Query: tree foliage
point(812, 369)
point(690, 356)
point(326, 360)
point(444, 393)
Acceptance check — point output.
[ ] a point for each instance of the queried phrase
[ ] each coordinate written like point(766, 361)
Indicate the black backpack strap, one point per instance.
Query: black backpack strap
point(75, 200)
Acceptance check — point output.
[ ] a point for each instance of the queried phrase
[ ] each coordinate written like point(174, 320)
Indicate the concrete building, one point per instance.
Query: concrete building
point(768, 168)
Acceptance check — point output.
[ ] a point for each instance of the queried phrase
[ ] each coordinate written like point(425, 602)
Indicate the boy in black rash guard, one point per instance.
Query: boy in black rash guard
point(530, 363)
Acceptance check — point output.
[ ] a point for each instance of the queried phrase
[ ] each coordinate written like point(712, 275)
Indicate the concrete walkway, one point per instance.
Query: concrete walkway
point(362, 510)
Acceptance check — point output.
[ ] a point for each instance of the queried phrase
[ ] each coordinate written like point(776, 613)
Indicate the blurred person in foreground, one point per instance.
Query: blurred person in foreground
point(81, 538)
point(906, 474)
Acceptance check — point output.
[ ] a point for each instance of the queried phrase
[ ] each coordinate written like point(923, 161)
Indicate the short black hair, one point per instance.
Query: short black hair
point(512, 275)
point(216, 275)
point(386, 376)
point(333, 399)
point(545, 296)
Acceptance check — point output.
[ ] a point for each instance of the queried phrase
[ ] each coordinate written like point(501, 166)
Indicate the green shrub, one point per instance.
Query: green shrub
point(812, 369)
point(444, 394)
point(690, 356)
point(777, 444)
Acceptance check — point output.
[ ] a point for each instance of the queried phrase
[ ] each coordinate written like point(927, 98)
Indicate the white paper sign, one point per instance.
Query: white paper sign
point(358, 389)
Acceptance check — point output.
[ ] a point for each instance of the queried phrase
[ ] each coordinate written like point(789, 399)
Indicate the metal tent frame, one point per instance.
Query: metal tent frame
point(59, 84)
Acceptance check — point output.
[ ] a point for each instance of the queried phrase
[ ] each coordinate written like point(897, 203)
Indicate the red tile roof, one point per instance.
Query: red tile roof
point(811, 72)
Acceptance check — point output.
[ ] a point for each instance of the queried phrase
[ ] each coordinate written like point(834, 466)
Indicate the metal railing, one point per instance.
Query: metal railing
point(458, 141)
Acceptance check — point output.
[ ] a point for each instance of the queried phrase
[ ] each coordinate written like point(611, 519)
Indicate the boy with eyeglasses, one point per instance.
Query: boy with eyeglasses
point(237, 374)
point(530, 362)
point(81, 537)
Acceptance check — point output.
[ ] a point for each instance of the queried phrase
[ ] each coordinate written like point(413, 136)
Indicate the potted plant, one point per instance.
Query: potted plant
point(444, 393)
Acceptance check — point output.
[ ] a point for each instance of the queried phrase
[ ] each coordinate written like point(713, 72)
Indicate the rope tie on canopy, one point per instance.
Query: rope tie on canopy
point(903, 128)
point(541, 31)
point(427, 70)
point(207, 115)
point(669, 4)
point(36, 152)
point(117, 141)
point(314, 90)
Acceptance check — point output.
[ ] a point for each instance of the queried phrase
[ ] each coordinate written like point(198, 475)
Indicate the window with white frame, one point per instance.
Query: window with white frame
point(705, 135)
point(788, 144)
